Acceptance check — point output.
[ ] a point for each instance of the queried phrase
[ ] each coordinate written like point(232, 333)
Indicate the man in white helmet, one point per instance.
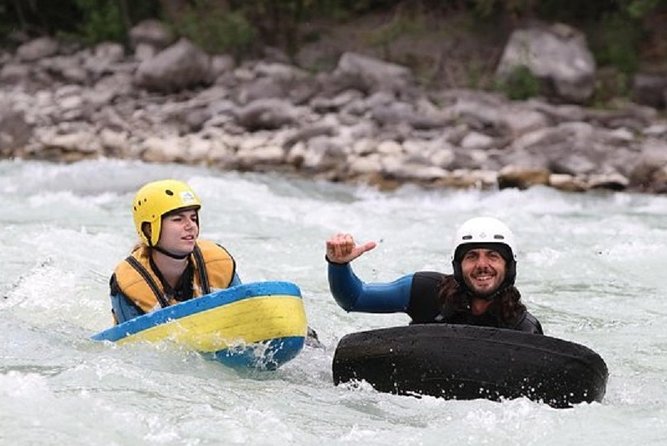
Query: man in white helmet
point(481, 290)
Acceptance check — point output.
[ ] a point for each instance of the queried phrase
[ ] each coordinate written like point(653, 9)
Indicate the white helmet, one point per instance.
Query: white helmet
point(484, 232)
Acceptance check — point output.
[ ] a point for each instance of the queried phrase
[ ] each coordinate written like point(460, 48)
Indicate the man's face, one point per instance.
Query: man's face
point(483, 271)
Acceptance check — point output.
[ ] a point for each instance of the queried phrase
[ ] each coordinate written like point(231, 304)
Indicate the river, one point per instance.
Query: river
point(591, 268)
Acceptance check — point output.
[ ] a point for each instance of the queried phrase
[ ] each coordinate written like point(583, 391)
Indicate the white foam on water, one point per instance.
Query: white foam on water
point(590, 268)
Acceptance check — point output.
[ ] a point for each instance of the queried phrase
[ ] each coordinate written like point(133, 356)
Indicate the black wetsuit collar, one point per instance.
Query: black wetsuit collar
point(183, 289)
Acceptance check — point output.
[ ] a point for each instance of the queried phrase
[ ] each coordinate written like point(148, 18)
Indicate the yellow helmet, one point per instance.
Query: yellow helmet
point(156, 199)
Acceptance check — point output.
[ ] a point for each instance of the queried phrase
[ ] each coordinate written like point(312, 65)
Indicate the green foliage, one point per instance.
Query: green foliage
point(355, 6)
point(617, 29)
point(566, 10)
point(616, 43)
point(101, 21)
point(475, 74)
point(39, 16)
point(217, 30)
point(520, 84)
point(610, 83)
point(5, 22)
point(400, 25)
point(280, 21)
point(639, 9)
point(90, 21)
point(490, 8)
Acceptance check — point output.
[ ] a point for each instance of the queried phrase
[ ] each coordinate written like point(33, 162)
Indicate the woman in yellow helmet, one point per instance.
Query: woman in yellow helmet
point(171, 264)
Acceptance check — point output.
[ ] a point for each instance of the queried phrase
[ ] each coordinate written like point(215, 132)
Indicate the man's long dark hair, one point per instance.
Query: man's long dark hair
point(506, 304)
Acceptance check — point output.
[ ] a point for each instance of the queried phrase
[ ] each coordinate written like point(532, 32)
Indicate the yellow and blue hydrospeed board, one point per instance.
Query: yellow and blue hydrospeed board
point(260, 325)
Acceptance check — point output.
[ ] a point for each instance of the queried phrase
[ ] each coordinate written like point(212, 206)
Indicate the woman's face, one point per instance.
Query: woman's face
point(179, 232)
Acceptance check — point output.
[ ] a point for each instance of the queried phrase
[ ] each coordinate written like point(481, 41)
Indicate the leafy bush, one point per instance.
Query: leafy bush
point(617, 29)
point(216, 30)
point(610, 83)
point(400, 25)
point(101, 21)
point(616, 43)
point(520, 84)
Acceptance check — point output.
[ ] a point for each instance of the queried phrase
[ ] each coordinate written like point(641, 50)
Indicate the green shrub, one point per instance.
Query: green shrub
point(520, 84)
point(475, 74)
point(616, 43)
point(216, 30)
point(6, 25)
point(400, 25)
point(610, 83)
point(101, 20)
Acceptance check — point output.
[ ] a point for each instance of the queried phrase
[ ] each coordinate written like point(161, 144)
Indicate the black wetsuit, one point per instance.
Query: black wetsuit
point(425, 307)
point(415, 294)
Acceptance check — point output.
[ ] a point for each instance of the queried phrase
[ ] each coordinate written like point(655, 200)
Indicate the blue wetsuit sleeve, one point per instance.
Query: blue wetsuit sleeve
point(354, 295)
point(236, 280)
point(123, 309)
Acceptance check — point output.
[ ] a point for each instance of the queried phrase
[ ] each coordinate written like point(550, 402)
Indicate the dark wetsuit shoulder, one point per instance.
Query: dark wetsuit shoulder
point(425, 306)
point(528, 323)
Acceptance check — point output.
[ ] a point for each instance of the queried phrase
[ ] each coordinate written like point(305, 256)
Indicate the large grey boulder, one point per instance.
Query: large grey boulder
point(151, 32)
point(367, 74)
point(276, 80)
point(14, 73)
point(558, 55)
point(37, 49)
point(650, 170)
point(15, 132)
point(181, 66)
point(575, 148)
point(650, 89)
point(266, 114)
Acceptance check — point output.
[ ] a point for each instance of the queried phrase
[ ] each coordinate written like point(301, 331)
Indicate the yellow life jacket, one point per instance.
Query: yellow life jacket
point(214, 268)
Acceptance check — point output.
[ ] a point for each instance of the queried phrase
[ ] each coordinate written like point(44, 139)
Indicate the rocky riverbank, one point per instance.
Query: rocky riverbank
point(365, 121)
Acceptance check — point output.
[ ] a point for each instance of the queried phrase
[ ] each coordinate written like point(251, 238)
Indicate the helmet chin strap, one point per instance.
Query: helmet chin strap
point(171, 254)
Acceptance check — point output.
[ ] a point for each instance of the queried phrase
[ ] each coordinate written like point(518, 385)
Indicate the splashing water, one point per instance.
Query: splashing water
point(590, 268)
